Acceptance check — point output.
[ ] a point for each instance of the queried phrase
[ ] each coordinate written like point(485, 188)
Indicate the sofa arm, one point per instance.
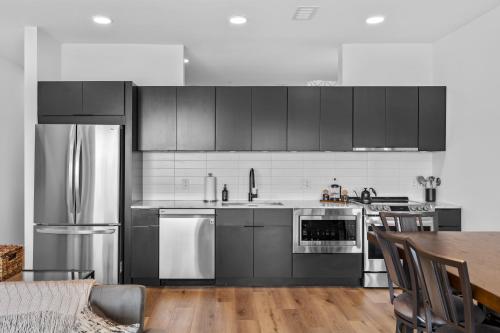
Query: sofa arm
point(123, 304)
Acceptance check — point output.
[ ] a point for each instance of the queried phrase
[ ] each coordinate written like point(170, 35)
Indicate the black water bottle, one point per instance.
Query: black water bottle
point(225, 193)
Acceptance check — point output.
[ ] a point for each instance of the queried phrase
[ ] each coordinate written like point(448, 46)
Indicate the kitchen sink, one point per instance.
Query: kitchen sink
point(251, 204)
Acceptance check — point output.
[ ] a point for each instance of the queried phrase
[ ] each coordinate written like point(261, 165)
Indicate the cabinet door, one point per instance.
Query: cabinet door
point(145, 249)
point(336, 119)
point(269, 117)
point(432, 118)
point(448, 219)
point(59, 98)
point(103, 98)
point(195, 118)
point(233, 252)
point(235, 217)
point(402, 117)
point(233, 121)
point(157, 118)
point(273, 252)
point(303, 118)
point(369, 117)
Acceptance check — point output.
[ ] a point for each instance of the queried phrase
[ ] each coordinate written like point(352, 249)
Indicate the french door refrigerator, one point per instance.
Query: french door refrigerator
point(77, 199)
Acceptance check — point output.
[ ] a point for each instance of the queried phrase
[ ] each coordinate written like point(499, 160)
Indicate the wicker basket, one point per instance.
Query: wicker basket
point(11, 260)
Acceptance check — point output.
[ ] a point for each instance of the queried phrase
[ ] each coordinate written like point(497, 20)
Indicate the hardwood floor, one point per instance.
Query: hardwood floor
point(301, 310)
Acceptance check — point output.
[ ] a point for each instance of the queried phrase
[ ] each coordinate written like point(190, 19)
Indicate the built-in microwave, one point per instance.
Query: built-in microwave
point(329, 230)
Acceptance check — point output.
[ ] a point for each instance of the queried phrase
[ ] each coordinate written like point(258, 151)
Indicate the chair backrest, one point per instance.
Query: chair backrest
point(431, 272)
point(403, 222)
point(123, 304)
point(393, 259)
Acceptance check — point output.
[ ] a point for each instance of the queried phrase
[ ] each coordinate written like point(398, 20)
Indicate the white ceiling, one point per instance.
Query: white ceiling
point(270, 48)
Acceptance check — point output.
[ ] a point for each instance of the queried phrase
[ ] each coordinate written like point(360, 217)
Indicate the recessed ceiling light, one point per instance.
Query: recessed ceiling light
point(186, 60)
point(375, 19)
point(99, 19)
point(238, 19)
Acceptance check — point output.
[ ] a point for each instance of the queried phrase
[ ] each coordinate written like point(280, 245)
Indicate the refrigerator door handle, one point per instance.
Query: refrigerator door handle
point(70, 193)
point(78, 175)
point(69, 231)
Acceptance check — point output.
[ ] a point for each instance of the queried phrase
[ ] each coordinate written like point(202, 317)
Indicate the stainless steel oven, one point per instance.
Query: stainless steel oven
point(375, 272)
point(328, 230)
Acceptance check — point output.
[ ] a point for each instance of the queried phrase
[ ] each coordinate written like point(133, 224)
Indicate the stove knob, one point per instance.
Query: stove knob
point(412, 208)
point(387, 208)
point(419, 208)
point(372, 207)
point(426, 208)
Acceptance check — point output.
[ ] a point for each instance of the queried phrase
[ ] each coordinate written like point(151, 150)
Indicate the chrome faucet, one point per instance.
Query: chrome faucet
point(252, 190)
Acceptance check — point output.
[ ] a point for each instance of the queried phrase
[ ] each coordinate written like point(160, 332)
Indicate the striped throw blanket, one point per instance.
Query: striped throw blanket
point(48, 306)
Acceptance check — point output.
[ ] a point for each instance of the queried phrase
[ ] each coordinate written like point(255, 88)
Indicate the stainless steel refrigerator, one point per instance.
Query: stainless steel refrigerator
point(77, 199)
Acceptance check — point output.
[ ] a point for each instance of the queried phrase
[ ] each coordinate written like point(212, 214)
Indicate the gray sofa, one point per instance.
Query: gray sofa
point(123, 304)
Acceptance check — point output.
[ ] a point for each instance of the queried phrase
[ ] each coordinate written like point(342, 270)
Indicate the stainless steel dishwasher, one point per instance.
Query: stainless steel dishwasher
point(187, 243)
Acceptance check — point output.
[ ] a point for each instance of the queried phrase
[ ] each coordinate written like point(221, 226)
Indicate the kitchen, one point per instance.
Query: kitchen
point(149, 171)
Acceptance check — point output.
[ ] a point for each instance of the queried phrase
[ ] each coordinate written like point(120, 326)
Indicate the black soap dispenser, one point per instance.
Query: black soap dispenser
point(225, 193)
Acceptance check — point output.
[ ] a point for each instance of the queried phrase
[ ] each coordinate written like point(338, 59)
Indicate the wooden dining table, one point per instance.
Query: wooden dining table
point(481, 251)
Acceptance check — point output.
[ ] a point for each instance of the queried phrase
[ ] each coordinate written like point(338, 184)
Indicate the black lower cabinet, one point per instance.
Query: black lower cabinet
point(449, 219)
point(233, 253)
point(272, 252)
point(145, 246)
point(328, 268)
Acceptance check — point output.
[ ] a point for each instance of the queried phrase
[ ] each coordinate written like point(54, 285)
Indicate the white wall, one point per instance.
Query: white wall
point(144, 64)
point(282, 175)
point(468, 62)
point(11, 152)
point(385, 64)
point(41, 62)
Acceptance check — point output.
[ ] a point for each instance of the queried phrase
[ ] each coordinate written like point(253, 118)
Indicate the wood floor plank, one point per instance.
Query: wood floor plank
point(269, 310)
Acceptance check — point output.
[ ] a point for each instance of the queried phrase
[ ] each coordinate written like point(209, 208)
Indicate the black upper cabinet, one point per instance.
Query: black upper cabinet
point(195, 118)
point(336, 119)
point(157, 118)
point(233, 125)
point(269, 116)
point(432, 118)
point(103, 98)
point(303, 118)
point(59, 98)
point(402, 117)
point(369, 117)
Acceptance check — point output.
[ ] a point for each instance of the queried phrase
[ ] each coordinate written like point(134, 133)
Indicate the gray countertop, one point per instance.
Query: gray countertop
point(445, 205)
point(193, 204)
point(187, 204)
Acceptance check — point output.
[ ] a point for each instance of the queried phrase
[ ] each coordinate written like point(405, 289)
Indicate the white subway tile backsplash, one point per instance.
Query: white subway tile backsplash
point(222, 164)
point(158, 156)
point(282, 175)
point(222, 156)
point(190, 172)
point(158, 164)
point(157, 172)
point(190, 156)
point(184, 164)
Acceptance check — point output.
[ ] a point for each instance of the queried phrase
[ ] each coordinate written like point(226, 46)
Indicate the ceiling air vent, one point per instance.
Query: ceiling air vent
point(305, 13)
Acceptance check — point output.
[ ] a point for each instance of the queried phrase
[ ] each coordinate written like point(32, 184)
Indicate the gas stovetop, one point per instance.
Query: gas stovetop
point(395, 204)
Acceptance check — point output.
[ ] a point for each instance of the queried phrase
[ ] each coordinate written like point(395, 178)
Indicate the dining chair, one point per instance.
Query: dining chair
point(406, 303)
point(404, 222)
point(453, 314)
